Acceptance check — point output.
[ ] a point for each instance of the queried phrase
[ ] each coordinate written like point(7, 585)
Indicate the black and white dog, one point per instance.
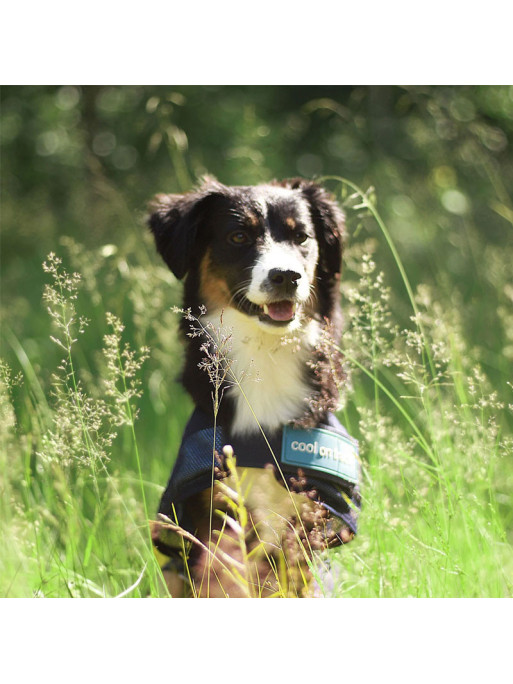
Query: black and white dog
point(263, 264)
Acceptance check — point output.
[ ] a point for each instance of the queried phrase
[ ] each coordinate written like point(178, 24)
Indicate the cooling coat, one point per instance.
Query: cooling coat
point(326, 455)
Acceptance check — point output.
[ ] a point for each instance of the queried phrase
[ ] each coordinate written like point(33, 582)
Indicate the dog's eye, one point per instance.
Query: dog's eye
point(300, 237)
point(238, 237)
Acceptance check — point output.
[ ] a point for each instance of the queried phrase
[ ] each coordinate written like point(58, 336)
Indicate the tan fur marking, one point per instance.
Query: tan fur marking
point(252, 219)
point(290, 222)
point(214, 291)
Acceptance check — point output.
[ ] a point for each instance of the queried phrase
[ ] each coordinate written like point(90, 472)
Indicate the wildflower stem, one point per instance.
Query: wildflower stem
point(368, 204)
point(420, 437)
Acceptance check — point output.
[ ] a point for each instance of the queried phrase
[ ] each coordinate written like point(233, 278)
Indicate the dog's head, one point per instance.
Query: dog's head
point(271, 251)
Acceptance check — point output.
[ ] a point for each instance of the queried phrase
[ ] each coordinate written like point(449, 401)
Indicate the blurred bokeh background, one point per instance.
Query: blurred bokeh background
point(82, 162)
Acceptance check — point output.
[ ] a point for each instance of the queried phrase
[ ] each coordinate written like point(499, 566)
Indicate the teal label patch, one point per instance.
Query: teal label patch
point(321, 450)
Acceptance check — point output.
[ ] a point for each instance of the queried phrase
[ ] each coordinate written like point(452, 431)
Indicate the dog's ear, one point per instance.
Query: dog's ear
point(174, 221)
point(329, 223)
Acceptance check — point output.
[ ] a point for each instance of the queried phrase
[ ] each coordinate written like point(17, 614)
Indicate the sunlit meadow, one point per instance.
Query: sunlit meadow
point(79, 490)
point(92, 413)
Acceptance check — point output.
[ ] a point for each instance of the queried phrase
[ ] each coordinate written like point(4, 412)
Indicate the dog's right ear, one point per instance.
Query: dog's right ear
point(174, 221)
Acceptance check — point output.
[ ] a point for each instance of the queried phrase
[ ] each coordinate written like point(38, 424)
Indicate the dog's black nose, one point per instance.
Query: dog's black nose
point(284, 279)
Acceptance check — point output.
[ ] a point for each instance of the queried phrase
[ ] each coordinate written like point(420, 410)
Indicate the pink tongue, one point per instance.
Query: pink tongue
point(281, 311)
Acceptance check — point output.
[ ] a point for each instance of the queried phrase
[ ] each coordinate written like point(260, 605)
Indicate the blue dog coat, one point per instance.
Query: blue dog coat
point(326, 455)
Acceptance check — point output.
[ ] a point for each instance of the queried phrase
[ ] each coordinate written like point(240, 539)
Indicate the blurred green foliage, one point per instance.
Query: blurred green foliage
point(83, 162)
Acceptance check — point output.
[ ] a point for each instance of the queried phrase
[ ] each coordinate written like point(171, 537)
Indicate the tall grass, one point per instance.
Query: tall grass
point(88, 439)
point(437, 490)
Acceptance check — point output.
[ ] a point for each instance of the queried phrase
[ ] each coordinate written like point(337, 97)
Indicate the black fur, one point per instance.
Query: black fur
point(186, 226)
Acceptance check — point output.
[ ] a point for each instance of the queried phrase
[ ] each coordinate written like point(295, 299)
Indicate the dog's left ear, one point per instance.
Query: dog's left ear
point(329, 223)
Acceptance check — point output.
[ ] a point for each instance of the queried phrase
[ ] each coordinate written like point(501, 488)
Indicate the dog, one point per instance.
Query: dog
point(261, 267)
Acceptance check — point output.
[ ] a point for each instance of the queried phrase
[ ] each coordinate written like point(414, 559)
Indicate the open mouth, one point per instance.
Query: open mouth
point(278, 313)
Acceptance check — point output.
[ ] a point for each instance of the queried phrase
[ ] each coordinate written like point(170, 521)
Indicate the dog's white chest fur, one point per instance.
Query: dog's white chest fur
point(267, 371)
